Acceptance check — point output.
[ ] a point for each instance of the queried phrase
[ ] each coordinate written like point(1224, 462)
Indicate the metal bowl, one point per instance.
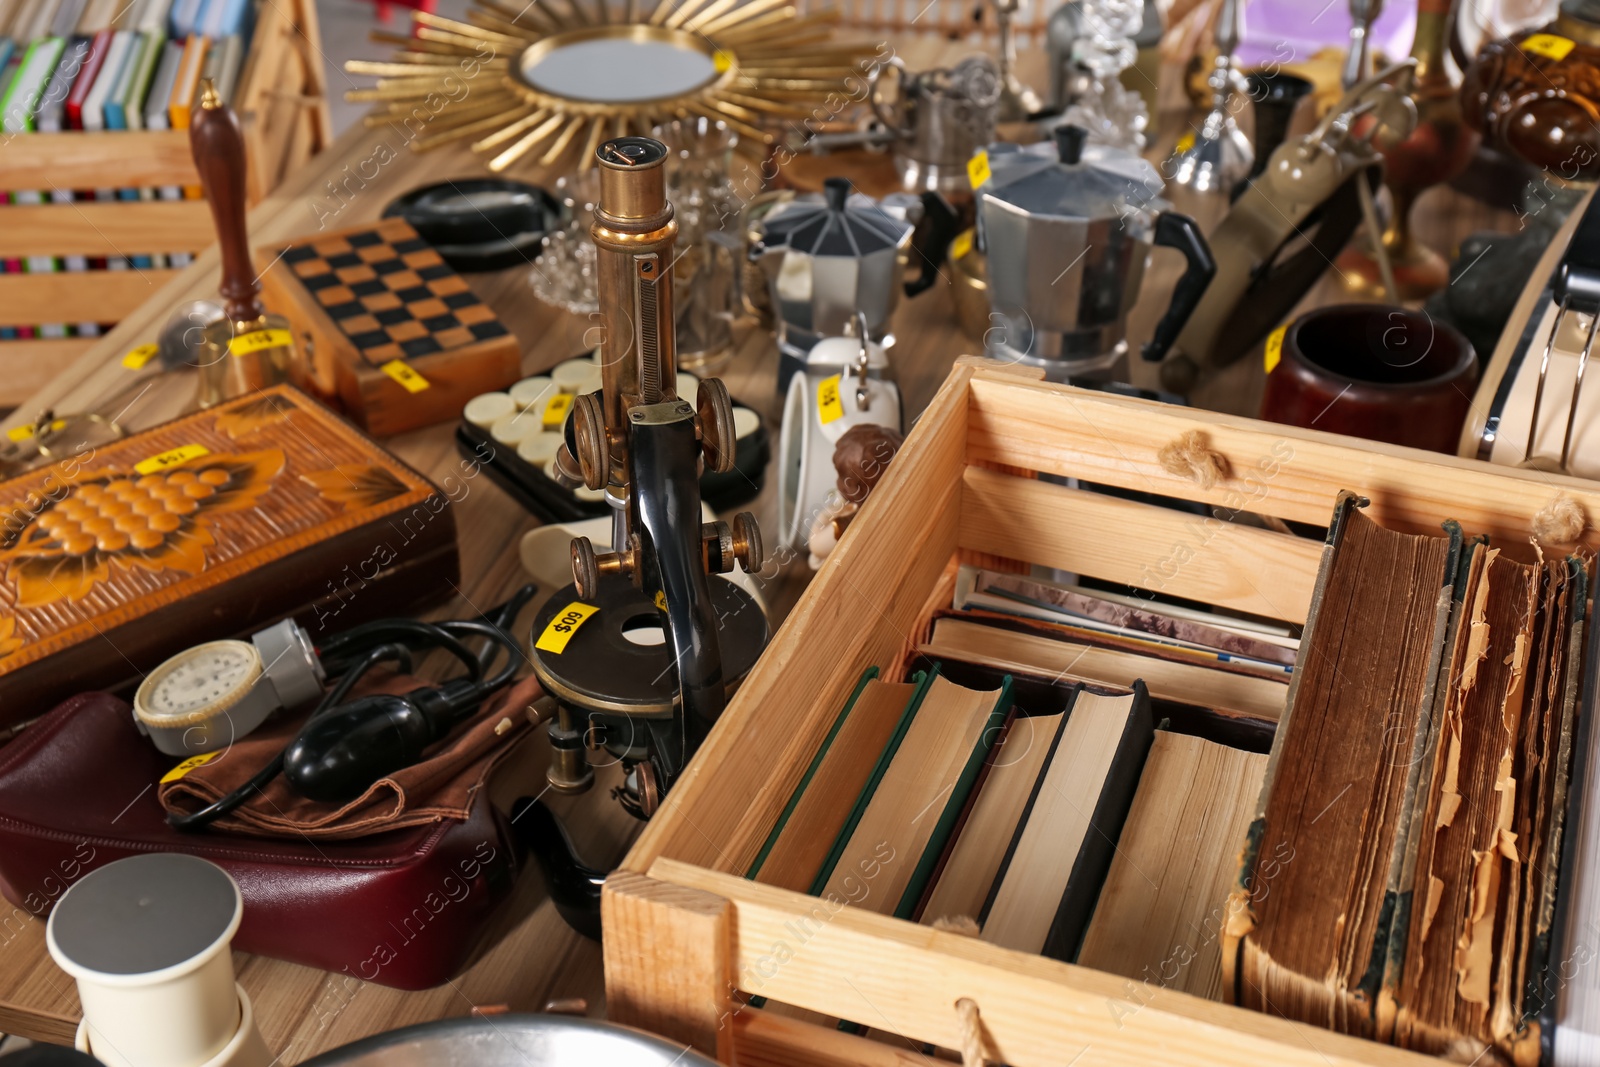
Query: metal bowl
point(511, 1041)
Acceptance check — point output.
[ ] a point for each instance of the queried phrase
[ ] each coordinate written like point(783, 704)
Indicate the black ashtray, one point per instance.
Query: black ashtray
point(480, 224)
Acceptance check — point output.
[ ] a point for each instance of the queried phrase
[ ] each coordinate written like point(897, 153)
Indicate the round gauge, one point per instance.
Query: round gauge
point(198, 683)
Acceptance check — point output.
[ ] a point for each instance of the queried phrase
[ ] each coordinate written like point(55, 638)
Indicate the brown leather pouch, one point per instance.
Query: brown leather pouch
point(403, 908)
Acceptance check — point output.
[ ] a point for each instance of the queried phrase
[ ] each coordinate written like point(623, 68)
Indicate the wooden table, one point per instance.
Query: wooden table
point(533, 957)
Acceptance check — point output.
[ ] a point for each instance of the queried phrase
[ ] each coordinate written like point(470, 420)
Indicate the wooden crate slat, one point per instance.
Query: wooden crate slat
point(25, 366)
point(100, 296)
point(1275, 470)
point(91, 159)
point(845, 624)
point(113, 228)
point(679, 982)
point(767, 1039)
point(879, 971)
point(1156, 548)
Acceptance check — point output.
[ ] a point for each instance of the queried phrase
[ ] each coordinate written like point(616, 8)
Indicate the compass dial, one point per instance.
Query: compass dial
point(198, 683)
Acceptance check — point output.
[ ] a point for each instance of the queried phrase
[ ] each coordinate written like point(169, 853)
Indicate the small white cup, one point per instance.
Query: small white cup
point(147, 940)
point(247, 1049)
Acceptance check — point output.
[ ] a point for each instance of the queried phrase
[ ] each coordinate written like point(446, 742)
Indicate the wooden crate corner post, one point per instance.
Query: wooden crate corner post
point(669, 961)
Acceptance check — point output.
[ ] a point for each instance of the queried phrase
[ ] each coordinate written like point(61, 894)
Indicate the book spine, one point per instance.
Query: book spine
point(1240, 921)
point(1377, 987)
point(1027, 809)
point(922, 875)
point(924, 683)
point(1093, 862)
point(816, 761)
point(1573, 782)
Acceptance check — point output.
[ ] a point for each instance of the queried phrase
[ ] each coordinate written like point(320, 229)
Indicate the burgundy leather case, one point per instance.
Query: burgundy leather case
point(404, 908)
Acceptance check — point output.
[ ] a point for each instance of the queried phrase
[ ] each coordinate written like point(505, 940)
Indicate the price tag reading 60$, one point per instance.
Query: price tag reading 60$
point(829, 406)
point(561, 628)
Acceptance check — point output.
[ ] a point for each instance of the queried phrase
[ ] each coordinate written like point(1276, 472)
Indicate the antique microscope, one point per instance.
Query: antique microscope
point(638, 653)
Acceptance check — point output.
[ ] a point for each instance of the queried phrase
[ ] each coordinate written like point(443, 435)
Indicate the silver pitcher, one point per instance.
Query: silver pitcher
point(939, 119)
point(829, 258)
point(1067, 230)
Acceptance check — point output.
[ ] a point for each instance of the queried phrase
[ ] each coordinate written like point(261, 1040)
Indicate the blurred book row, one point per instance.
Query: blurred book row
point(110, 65)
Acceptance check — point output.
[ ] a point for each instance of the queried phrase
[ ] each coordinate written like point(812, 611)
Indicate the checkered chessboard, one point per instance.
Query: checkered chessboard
point(391, 294)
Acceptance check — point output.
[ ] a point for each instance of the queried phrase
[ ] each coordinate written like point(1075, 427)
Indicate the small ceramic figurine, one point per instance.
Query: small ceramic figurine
point(859, 458)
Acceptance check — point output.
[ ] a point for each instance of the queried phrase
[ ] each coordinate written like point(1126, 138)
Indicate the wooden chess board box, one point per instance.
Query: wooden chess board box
point(206, 527)
point(389, 331)
point(689, 941)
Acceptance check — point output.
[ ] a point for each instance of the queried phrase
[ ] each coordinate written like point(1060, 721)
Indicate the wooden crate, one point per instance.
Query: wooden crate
point(281, 103)
point(686, 937)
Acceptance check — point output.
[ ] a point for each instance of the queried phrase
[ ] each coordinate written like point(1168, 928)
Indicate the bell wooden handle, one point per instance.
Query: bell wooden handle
point(217, 142)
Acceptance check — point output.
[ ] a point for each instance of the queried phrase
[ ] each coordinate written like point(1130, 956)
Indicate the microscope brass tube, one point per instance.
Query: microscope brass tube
point(634, 232)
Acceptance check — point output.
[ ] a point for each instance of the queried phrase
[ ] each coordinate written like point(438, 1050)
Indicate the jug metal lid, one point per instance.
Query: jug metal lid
point(842, 223)
point(1067, 178)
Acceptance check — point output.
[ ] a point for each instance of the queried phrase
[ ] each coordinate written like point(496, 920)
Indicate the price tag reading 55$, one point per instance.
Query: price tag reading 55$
point(561, 628)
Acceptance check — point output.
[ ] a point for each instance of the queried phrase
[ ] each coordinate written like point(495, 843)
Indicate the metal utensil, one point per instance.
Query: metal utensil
point(1219, 156)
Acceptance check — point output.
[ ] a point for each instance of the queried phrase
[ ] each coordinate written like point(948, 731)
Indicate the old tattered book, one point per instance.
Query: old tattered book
point(1399, 877)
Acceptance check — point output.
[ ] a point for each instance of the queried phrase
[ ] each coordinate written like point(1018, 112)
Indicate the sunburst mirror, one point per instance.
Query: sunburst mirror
point(557, 75)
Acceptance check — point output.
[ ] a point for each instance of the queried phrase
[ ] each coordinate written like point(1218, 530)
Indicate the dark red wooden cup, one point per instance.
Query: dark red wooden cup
point(1377, 371)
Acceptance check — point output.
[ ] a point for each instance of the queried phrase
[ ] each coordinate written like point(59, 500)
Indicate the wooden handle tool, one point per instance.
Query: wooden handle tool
point(217, 142)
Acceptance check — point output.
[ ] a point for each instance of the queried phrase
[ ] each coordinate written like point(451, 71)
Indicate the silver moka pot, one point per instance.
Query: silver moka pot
point(828, 259)
point(1067, 230)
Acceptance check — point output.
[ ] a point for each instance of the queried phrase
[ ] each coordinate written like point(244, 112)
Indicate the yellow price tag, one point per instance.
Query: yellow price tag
point(1274, 350)
point(1547, 45)
point(721, 61)
point(829, 406)
point(22, 433)
point(563, 626)
point(556, 408)
point(257, 340)
point(409, 380)
point(174, 457)
point(661, 600)
point(136, 359)
point(1185, 142)
point(961, 245)
point(188, 765)
point(978, 168)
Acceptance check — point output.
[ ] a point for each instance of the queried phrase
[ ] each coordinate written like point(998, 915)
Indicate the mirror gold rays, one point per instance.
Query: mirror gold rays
point(549, 81)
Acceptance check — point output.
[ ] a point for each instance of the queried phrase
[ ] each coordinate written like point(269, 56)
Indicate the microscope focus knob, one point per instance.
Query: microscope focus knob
point(747, 548)
point(589, 436)
point(585, 567)
point(718, 439)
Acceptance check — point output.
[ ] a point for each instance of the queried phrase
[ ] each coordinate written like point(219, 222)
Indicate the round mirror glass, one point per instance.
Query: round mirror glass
point(617, 70)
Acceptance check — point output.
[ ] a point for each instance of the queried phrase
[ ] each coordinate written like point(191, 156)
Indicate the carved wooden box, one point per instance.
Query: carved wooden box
point(202, 528)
